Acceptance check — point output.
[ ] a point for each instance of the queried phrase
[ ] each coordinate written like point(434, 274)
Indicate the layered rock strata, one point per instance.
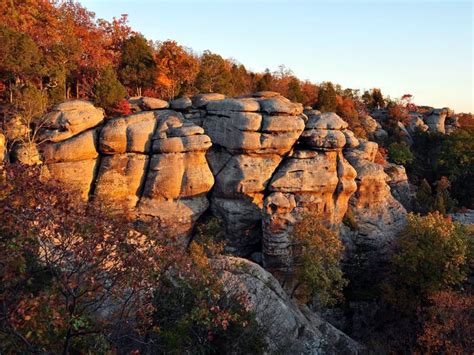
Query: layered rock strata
point(150, 164)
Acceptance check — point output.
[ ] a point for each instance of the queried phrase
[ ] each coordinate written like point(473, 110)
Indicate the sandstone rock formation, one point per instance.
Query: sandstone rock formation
point(150, 164)
point(250, 137)
point(315, 179)
point(291, 329)
point(259, 162)
point(378, 216)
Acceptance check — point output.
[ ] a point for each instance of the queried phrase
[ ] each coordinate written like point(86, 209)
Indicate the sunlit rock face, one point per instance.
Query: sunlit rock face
point(315, 179)
point(151, 164)
point(377, 215)
point(258, 162)
point(250, 137)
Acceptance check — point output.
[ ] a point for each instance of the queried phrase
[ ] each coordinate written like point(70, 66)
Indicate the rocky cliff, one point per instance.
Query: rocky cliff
point(259, 163)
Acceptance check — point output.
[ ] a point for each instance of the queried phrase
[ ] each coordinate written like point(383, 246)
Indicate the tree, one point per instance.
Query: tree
point(137, 67)
point(295, 93)
point(378, 100)
point(108, 90)
point(400, 153)
point(76, 279)
point(264, 83)
point(214, 74)
point(327, 101)
point(176, 69)
point(242, 80)
point(18, 58)
point(317, 252)
point(432, 254)
point(448, 324)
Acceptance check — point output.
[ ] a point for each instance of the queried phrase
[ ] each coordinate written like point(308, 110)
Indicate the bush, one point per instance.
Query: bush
point(108, 90)
point(317, 252)
point(432, 254)
point(75, 279)
point(452, 156)
point(448, 324)
point(400, 153)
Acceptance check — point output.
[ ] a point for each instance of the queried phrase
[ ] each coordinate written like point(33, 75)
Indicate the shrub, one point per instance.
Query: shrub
point(400, 153)
point(195, 315)
point(317, 252)
point(432, 254)
point(448, 324)
point(75, 279)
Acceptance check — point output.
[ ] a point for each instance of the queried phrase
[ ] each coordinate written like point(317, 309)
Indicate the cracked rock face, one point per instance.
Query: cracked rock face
point(378, 215)
point(315, 179)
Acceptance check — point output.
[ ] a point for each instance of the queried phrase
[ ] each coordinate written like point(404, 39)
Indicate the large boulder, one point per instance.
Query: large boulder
point(69, 119)
point(139, 103)
point(289, 328)
point(435, 120)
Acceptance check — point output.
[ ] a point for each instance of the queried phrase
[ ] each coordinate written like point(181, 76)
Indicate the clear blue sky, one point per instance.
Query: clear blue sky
point(420, 47)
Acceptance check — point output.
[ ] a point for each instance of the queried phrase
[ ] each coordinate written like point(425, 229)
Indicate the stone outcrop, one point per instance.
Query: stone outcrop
point(250, 137)
point(290, 329)
point(399, 185)
point(257, 162)
point(378, 216)
point(151, 164)
point(143, 103)
point(314, 179)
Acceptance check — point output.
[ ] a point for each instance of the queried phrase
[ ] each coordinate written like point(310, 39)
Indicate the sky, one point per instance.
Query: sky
point(420, 47)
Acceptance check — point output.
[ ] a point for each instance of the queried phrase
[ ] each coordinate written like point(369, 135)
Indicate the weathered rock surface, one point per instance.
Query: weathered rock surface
point(315, 179)
point(436, 119)
point(2, 147)
point(139, 103)
point(290, 329)
point(150, 164)
point(69, 119)
point(250, 138)
point(399, 185)
point(378, 216)
point(181, 104)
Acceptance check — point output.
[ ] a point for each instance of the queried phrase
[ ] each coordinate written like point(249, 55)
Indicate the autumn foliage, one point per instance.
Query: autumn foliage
point(75, 279)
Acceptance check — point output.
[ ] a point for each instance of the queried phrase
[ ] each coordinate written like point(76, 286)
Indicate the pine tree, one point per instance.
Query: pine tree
point(137, 66)
point(327, 101)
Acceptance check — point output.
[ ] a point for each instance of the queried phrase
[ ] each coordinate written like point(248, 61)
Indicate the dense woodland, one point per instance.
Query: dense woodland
point(52, 51)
